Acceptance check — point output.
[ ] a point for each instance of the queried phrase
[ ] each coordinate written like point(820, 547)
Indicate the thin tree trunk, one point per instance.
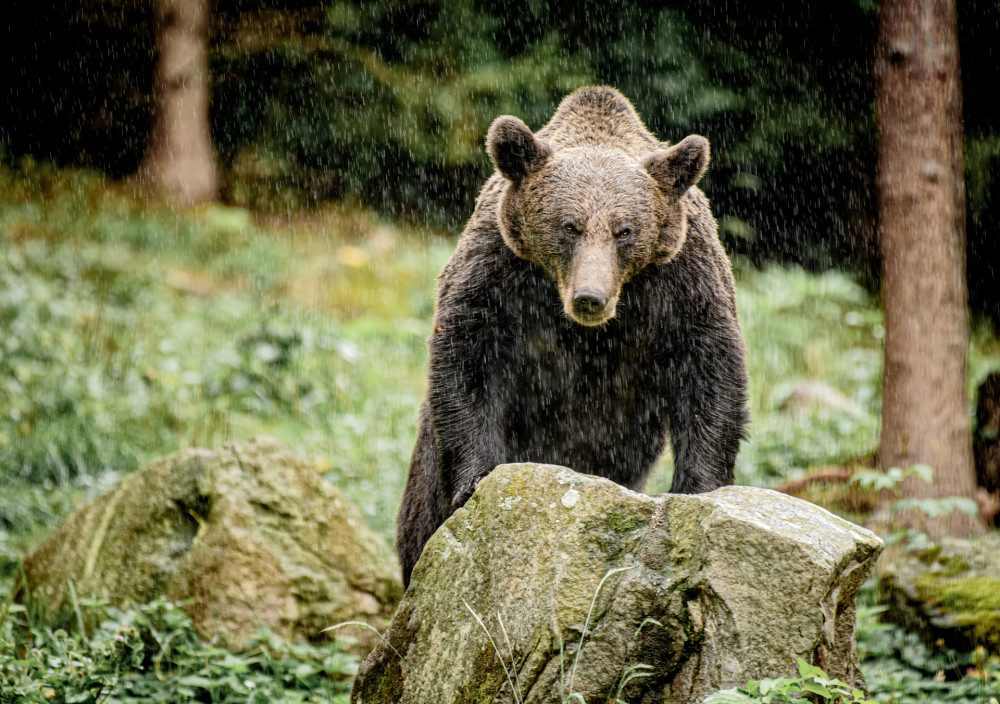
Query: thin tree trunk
point(180, 160)
point(925, 416)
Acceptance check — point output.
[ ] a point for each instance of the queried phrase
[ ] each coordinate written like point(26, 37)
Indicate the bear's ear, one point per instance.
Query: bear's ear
point(515, 151)
point(681, 166)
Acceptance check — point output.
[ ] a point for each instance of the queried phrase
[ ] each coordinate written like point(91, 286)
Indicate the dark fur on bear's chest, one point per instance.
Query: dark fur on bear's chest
point(587, 398)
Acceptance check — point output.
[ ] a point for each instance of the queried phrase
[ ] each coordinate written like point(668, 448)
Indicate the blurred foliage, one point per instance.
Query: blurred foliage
point(133, 331)
point(386, 103)
point(898, 667)
point(153, 654)
point(786, 319)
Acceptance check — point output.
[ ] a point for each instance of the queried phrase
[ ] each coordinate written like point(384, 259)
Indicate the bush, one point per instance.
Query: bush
point(811, 681)
point(153, 654)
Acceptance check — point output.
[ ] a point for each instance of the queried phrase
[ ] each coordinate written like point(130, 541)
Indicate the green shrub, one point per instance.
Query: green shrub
point(898, 667)
point(153, 654)
point(811, 681)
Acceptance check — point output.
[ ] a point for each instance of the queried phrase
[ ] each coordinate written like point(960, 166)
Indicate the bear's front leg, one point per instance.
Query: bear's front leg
point(466, 402)
point(459, 441)
point(707, 391)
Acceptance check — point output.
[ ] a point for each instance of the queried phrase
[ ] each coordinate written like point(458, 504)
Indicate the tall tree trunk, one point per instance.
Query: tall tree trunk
point(925, 415)
point(180, 161)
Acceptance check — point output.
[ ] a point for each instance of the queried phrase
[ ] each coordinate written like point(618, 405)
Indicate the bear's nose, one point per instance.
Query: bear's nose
point(589, 301)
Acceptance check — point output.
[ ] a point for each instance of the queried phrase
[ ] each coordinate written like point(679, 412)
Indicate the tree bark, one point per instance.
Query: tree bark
point(180, 161)
point(925, 415)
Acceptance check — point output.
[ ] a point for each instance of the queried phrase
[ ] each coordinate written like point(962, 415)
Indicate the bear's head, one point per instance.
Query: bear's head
point(592, 217)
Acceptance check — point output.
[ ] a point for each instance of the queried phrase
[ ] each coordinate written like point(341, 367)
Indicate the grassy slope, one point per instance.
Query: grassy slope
point(132, 331)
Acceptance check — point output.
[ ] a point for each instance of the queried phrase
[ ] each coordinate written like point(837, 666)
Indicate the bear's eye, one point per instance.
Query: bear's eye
point(624, 233)
point(569, 228)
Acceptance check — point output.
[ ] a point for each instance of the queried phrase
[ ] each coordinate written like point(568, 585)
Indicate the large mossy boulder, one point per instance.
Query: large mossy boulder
point(949, 592)
point(251, 533)
point(712, 590)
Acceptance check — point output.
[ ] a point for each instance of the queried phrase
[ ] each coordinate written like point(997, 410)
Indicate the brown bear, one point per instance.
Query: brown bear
point(587, 315)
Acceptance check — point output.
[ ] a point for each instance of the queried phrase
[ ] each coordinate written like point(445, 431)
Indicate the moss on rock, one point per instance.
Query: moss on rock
point(250, 532)
point(624, 523)
point(950, 592)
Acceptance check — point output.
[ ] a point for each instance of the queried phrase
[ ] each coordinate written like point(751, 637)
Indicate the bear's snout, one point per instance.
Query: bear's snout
point(590, 307)
point(589, 301)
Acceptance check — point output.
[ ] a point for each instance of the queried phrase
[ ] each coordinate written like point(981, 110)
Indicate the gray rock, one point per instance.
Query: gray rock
point(811, 395)
point(251, 532)
point(950, 592)
point(740, 582)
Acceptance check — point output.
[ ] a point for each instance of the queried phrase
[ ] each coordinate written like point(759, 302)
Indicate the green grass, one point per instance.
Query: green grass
point(132, 331)
point(123, 346)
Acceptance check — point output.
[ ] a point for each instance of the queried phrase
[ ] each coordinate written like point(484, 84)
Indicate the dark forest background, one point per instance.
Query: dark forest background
point(386, 103)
